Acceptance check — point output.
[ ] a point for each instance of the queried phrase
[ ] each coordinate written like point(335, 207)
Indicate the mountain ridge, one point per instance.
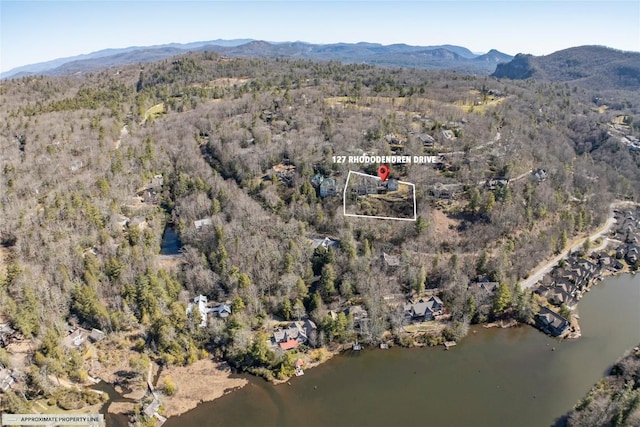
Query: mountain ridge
point(445, 56)
point(595, 66)
point(39, 67)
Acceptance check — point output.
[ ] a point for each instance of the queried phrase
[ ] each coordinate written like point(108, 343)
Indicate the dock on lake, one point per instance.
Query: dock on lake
point(448, 344)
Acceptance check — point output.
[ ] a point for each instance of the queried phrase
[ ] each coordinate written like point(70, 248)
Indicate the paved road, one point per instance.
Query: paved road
point(540, 271)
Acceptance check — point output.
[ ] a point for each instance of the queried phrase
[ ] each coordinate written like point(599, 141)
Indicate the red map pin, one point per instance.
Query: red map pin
point(383, 172)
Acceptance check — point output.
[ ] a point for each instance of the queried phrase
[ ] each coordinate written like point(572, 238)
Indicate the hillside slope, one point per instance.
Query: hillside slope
point(588, 66)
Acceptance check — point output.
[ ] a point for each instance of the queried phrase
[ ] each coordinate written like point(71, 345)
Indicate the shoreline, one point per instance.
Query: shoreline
point(194, 383)
point(202, 381)
point(346, 348)
point(191, 394)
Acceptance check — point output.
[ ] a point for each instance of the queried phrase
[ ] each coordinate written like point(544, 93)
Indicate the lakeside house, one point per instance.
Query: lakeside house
point(609, 263)
point(551, 322)
point(295, 334)
point(201, 302)
point(423, 311)
point(359, 315)
point(566, 284)
point(563, 293)
point(629, 252)
point(482, 290)
point(223, 310)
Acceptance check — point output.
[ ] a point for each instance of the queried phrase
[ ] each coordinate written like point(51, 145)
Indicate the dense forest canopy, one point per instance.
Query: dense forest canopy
point(83, 208)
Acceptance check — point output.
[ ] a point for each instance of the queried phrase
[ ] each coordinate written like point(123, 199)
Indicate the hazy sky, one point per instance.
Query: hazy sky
point(36, 31)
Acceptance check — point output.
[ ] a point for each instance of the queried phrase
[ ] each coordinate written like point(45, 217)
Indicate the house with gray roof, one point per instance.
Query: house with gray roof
point(328, 188)
point(633, 254)
point(326, 243)
point(540, 175)
point(488, 287)
point(6, 379)
point(422, 310)
point(551, 322)
point(358, 313)
point(299, 332)
point(223, 310)
point(427, 140)
point(391, 184)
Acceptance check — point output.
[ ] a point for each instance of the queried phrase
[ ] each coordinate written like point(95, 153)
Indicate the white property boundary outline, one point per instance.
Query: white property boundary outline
point(344, 200)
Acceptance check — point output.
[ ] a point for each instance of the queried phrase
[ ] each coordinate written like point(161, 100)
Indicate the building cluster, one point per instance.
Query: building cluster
point(368, 186)
point(627, 233)
point(566, 284)
point(624, 132)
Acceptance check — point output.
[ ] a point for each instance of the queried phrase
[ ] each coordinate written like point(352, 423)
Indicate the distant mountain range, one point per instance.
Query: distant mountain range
point(590, 66)
point(397, 55)
point(593, 66)
point(112, 57)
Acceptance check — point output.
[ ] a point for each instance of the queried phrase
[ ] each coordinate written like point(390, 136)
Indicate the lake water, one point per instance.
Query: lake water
point(112, 420)
point(171, 243)
point(495, 377)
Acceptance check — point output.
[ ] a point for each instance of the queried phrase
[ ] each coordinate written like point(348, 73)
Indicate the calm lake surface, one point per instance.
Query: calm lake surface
point(171, 243)
point(495, 377)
